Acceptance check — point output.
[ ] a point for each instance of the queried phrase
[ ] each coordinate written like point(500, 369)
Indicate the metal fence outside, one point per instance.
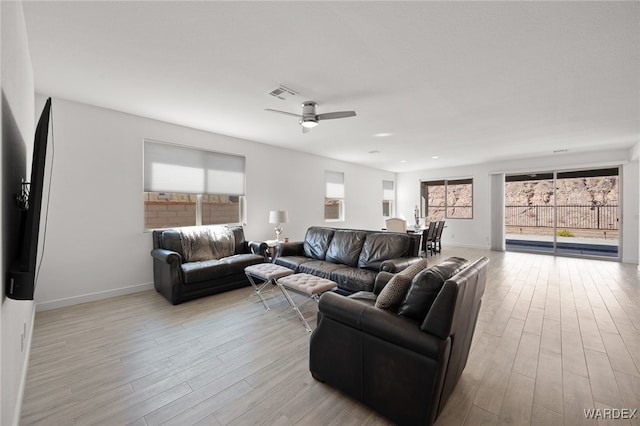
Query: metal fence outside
point(569, 216)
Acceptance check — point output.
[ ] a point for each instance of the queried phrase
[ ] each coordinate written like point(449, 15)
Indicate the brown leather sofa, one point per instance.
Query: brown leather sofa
point(352, 258)
point(402, 366)
point(192, 262)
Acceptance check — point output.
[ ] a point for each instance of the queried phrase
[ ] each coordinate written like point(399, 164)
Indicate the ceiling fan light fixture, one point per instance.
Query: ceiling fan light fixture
point(309, 124)
point(309, 119)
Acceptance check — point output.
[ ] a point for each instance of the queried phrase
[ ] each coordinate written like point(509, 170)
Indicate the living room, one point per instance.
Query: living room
point(96, 245)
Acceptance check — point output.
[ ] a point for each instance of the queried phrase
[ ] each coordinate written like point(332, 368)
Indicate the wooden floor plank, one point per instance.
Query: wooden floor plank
point(518, 402)
point(555, 336)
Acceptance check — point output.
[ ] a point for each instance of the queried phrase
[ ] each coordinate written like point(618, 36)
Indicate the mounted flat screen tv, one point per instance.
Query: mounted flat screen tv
point(23, 269)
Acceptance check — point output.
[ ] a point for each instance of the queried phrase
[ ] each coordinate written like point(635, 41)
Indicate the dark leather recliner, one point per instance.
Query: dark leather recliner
point(403, 368)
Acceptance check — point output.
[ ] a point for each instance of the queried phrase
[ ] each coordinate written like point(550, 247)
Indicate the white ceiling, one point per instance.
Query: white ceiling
point(468, 82)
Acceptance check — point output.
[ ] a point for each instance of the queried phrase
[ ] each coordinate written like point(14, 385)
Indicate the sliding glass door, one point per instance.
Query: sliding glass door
point(572, 212)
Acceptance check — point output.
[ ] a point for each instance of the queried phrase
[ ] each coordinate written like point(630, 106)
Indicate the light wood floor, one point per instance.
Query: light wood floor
point(555, 336)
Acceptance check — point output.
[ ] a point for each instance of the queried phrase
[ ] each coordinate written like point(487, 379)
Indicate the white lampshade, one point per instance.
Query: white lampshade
point(278, 216)
point(309, 124)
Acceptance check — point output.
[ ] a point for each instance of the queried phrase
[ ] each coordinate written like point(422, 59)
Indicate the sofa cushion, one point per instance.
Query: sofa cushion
point(354, 279)
point(345, 247)
point(426, 285)
point(319, 268)
point(238, 262)
point(170, 240)
point(195, 272)
point(394, 292)
point(381, 246)
point(241, 245)
point(292, 262)
point(316, 242)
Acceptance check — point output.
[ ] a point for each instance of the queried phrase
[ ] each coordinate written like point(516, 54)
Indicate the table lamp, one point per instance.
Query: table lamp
point(278, 217)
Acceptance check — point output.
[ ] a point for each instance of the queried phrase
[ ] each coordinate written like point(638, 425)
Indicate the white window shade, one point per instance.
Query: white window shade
point(171, 168)
point(224, 174)
point(335, 184)
point(387, 190)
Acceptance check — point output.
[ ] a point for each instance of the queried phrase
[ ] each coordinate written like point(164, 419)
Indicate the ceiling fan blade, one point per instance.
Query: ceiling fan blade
point(283, 112)
point(305, 129)
point(338, 114)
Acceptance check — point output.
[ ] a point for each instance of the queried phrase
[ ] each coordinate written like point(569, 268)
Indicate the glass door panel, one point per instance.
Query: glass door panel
point(529, 212)
point(588, 212)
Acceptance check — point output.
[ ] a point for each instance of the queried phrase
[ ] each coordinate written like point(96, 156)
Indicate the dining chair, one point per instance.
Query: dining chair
point(396, 224)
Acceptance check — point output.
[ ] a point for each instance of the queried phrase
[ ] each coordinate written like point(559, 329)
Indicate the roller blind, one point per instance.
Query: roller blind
point(387, 190)
point(172, 168)
point(335, 184)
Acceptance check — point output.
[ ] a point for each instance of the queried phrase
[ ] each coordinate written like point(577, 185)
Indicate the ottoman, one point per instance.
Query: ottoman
point(307, 285)
point(266, 273)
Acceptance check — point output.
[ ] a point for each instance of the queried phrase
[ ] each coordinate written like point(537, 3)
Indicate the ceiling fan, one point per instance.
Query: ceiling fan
point(309, 119)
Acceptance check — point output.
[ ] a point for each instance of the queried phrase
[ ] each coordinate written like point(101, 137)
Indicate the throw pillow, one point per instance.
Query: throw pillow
point(425, 287)
point(412, 270)
point(393, 293)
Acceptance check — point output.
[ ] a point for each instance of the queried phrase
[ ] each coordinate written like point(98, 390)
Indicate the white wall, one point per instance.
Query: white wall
point(96, 246)
point(17, 115)
point(476, 232)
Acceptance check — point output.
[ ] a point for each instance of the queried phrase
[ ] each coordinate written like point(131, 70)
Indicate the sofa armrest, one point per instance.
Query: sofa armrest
point(341, 308)
point(382, 324)
point(398, 264)
point(167, 256)
point(167, 274)
point(290, 249)
point(258, 247)
point(381, 281)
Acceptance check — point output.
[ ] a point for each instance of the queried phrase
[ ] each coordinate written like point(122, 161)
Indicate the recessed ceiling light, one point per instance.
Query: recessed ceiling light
point(382, 135)
point(403, 161)
point(435, 157)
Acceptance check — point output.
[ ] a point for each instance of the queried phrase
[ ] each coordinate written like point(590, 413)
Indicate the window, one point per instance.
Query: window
point(447, 199)
point(388, 196)
point(460, 199)
point(334, 196)
point(188, 186)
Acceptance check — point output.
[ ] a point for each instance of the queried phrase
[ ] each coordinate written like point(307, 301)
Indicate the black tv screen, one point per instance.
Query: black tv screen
point(23, 270)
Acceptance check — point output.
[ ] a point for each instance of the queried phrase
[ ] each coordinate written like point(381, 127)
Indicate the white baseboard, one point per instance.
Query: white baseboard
point(470, 246)
point(75, 300)
point(23, 379)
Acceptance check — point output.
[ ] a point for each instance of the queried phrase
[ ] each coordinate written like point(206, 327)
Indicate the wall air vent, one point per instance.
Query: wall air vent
point(282, 92)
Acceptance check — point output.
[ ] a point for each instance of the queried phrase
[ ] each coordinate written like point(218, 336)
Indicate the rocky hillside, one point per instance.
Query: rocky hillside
point(584, 203)
point(594, 191)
